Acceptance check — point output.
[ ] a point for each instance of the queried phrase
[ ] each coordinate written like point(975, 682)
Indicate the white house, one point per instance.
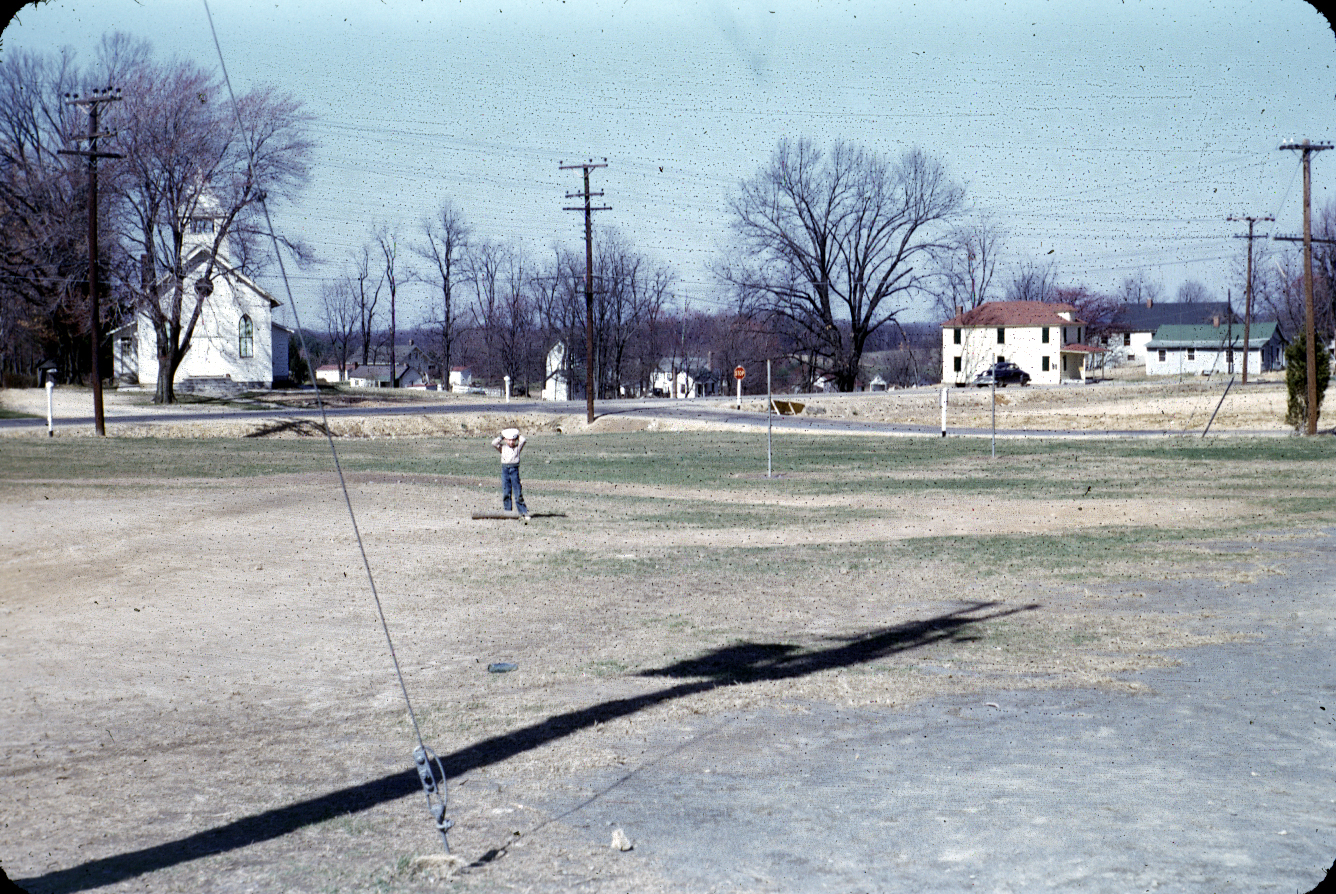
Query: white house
point(1135, 324)
point(461, 378)
point(236, 345)
point(1043, 339)
point(1204, 350)
point(555, 384)
point(377, 375)
point(330, 373)
point(692, 378)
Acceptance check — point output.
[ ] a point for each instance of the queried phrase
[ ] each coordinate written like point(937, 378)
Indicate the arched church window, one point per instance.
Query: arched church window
point(246, 337)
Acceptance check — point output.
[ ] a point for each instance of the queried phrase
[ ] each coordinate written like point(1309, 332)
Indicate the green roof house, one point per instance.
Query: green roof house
point(1204, 350)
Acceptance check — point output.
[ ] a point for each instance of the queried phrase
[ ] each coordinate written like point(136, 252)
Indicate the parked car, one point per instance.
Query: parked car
point(1003, 373)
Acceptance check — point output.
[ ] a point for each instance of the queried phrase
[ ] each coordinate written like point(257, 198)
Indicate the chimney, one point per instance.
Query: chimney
point(1149, 302)
point(960, 310)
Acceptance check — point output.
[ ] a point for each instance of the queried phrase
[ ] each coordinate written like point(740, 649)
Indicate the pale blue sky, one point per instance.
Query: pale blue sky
point(1118, 136)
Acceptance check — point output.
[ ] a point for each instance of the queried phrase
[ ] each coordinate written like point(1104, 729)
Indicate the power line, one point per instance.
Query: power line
point(1307, 148)
point(1247, 301)
point(589, 274)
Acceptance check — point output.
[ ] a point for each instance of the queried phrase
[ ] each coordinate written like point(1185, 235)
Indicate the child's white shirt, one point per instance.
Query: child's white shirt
point(510, 456)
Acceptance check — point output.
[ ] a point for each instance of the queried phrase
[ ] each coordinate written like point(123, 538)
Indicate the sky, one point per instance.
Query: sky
point(1108, 137)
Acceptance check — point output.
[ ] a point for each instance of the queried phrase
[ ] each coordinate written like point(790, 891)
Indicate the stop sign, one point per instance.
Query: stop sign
point(739, 373)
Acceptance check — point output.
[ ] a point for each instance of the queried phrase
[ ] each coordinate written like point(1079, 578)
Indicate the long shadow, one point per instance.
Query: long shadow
point(742, 662)
point(303, 427)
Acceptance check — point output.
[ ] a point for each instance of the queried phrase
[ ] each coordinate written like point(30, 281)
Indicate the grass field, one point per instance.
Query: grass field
point(202, 602)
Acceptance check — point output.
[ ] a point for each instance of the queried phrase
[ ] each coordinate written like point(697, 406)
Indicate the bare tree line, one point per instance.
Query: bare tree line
point(503, 309)
point(832, 245)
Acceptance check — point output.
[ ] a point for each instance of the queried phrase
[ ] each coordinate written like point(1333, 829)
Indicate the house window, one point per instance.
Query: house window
point(246, 337)
point(1127, 339)
point(956, 336)
point(1044, 335)
point(1001, 359)
point(1043, 364)
point(1001, 335)
point(1192, 353)
point(957, 363)
point(1162, 355)
point(200, 225)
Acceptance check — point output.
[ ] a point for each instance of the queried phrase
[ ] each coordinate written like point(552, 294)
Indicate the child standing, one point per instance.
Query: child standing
point(510, 443)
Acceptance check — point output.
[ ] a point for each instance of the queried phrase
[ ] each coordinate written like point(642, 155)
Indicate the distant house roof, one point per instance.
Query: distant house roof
point(378, 372)
point(1014, 313)
point(1207, 337)
point(1140, 318)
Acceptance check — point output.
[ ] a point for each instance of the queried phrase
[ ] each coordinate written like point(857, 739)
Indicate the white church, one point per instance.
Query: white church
point(236, 346)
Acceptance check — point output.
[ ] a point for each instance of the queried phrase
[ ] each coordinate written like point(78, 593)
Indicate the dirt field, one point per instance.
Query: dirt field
point(199, 695)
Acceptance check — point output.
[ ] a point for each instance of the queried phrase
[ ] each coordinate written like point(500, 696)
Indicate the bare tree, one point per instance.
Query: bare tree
point(43, 218)
point(389, 250)
point(1280, 292)
point(1139, 289)
point(1194, 292)
point(444, 239)
point(1033, 281)
point(968, 266)
point(366, 286)
point(341, 314)
point(1324, 271)
point(503, 308)
point(833, 238)
point(185, 158)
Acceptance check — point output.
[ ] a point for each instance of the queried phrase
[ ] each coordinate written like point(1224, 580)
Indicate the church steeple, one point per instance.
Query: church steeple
point(202, 227)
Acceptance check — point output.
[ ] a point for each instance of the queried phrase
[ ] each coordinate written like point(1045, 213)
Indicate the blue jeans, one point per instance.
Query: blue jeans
point(510, 482)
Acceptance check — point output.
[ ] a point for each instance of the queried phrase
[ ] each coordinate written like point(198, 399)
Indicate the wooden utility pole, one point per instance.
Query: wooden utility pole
point(1247, 301)
point(589, 275)
point(94, 102)
point(1310, 327)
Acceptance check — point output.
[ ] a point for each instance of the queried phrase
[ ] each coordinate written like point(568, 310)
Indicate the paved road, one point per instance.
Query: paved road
point(716, 411)
point(1220, 779)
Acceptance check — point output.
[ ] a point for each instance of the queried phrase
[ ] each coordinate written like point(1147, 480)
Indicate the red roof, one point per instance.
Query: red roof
point(1014, 313)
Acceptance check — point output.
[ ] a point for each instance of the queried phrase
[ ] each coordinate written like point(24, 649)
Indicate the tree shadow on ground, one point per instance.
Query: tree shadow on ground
point(305, 428)
point(726, 666)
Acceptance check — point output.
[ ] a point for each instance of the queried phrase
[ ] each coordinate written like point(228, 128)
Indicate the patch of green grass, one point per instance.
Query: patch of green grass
point(14, 414)
point(1083, 554)
point(721, 516)
point(604, 668)
point(1073, 555)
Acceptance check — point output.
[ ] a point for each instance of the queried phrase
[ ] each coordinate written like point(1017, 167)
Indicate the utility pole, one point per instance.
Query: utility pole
point(94, 102)
point(589, 274)
point(1247, 301)
point(1308, 148)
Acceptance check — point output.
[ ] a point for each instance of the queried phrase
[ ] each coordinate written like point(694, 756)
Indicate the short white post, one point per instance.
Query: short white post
point(769, 420)
point(507, 381)
point(993, 391)
point(50, 426)
point(945, 391)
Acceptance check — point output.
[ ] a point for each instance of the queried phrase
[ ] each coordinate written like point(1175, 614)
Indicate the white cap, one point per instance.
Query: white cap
point(510, 433)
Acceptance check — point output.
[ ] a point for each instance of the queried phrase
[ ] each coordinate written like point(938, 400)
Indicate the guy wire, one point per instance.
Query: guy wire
point(324, 421)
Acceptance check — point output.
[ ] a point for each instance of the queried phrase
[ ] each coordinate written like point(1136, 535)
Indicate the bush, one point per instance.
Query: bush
point(1296, 381)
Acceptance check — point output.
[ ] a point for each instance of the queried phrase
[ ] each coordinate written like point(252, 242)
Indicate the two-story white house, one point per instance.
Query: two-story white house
point(1045, 340)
